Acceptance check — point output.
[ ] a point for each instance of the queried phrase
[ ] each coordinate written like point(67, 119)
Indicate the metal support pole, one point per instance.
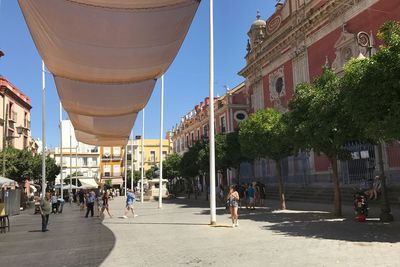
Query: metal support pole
point(76, 164)
point(142, 162)
point(161, 142)
point(61, 155)
point(70, 157)
point(5, 119)
point(132, 160)
point(43, 131)
point(126, 169)
point(213, 209)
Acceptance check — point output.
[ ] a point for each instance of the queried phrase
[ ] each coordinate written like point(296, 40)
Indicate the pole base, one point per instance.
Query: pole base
point(386, 217)
point(213, 223)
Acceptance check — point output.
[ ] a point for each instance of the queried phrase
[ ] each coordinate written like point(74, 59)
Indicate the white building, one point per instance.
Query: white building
point(78, 158)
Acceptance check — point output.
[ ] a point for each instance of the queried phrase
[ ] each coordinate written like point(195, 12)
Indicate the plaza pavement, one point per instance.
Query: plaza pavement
point(179, 235)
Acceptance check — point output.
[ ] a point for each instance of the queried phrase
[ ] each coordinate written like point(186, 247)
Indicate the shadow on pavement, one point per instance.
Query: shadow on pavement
point(312, 223)
point(323, 225)
point(158, 223)
point(72, 240)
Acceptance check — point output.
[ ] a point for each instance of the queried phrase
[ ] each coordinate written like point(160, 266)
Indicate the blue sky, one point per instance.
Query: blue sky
point(186, 81)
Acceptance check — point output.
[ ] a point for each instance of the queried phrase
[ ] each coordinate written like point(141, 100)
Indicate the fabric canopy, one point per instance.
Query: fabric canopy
point(96, 99)
point(92, 139)
point(107, 45)
point(104, 126)
point(106, 56)
point(130, 3)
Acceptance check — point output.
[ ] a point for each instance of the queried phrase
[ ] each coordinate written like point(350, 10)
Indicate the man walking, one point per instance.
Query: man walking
point(45, 210)
point(91, 197)
point(130, 199)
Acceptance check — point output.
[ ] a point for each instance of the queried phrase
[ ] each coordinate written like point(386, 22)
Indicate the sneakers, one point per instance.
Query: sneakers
point(237, 224)
point(233, 225)
point(125, 217)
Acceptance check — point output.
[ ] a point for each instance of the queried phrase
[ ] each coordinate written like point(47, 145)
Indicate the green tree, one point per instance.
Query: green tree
point(52, 169)
point(171, 166)
point(152, 172)
point(18, 164)
point(136, 177)
point(265, 134)
point(320, 122)
point(372, 88)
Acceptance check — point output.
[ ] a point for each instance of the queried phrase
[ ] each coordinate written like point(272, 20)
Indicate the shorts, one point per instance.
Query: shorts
point(251, 199)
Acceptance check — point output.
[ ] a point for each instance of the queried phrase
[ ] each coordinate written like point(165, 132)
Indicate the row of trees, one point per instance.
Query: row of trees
point(22, 164)
point(363, 104)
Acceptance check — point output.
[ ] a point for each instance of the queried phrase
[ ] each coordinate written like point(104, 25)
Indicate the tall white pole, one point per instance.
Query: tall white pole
point(132, 160)
point(160, 186)
point(70, 158)
point(76, 164)
point(61, 155)
point(142, 161)
point(213, 210)
point(43, 131)
point(126, 168)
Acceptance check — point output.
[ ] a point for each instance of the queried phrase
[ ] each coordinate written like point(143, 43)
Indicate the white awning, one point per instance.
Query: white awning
point(88, 182)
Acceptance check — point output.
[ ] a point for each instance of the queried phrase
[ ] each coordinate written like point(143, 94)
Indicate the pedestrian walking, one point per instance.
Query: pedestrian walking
point(54, 203)
point(60, 204)
point(70, 198)
point(130, 199)
point(233, 203)
point(105, 204)
point(241, 191)
point(90, 199)
point(250, 196)
point(81, 196)
point(45, 210)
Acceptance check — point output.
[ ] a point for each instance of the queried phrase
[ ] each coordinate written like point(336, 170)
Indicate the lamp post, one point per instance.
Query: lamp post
point(365, 40)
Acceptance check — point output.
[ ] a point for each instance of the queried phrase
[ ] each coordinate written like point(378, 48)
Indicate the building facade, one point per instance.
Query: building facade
point(230, 109)
point(78, 159)
point(151, 153)
point(15, 118)
point(292, 46)
point(112, 165)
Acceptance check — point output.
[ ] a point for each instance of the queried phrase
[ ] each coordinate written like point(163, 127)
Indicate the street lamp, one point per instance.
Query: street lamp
point(364, 40)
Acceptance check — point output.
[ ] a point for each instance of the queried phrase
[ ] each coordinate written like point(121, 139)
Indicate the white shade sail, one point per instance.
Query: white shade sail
point(104, 126)
point(130, 3)
point(106, 55)
point(107, 45)
point(97, 99)
point(92, 139)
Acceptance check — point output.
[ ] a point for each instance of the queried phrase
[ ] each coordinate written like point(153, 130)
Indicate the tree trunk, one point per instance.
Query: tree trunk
point(280, 184)
point(385, 215)
point(337, 201)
